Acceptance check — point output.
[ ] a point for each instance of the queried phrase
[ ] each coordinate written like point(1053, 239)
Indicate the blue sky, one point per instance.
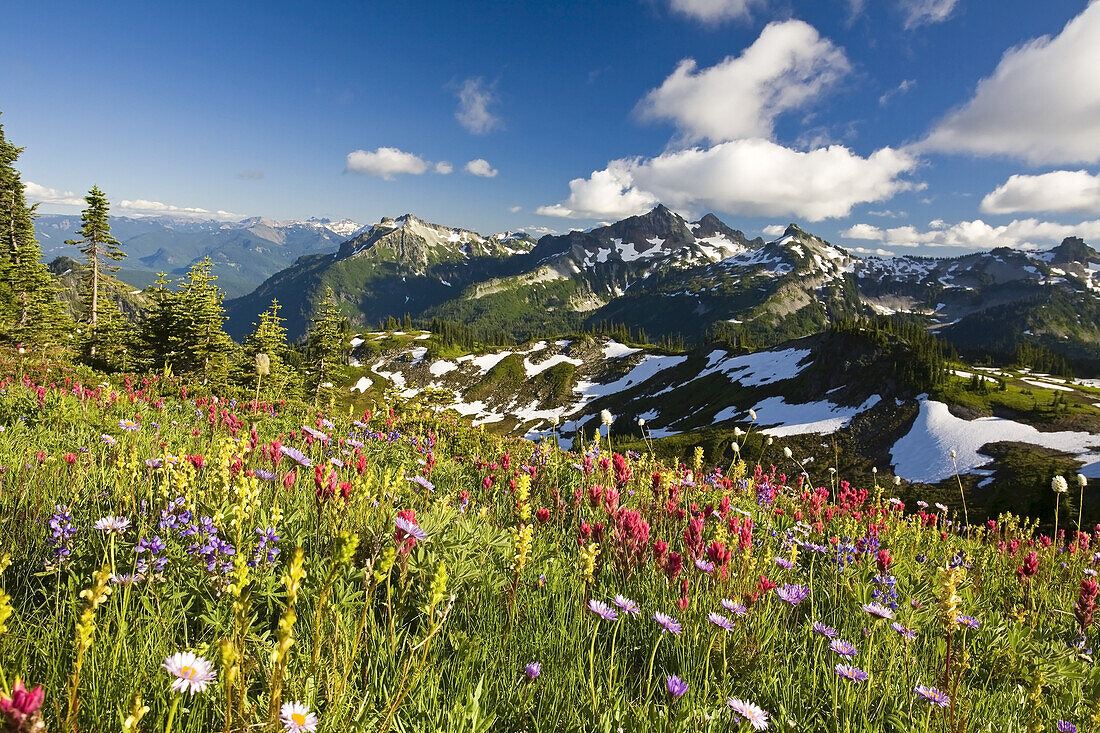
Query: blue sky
point(900, 126)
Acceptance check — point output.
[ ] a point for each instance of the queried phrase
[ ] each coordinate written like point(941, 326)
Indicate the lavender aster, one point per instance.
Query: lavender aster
point(533, 670)
point(735, 607)
point(668, 623)
point(601, 609)
point(745, 710)
point(626, 605)
point(843, 648)
point(848, 672)
point(793, 594)
point(932, 695)
point(826, 631)
point(676, 687)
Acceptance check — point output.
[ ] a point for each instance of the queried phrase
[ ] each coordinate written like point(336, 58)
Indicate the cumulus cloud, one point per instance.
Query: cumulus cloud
point(35, 193)
point(481, 167)
point(515, 209)
point(774, 230)
point(926, 12)
point(1054, 191)
point(714, 10)
point(474, 101)
point(788, 66)
point(443, 168)
point(976, 234)
point(144, 207)
point(385, 163)
point(743, 177)
point(1040, 103)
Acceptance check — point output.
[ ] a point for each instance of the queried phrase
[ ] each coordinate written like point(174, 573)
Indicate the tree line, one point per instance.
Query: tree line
point(181, 329)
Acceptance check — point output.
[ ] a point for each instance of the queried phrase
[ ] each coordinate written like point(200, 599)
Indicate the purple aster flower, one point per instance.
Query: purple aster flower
point(128, 425)
point(423, 482)
point(735, 607)
point(827, 631)
point(793, 594)
point(784, 563)
point(626, 605)
point(533, 670)
point(848, 672)
point(265, 475)
point(720, 620)
point(705, 565)
point(969, 621)
point(410, 528)
point(932, 695)
point(877, 609)
point(316, 434)
point(843, 648)
point(745, 710)
point(296, 455)
point(907, 634)
point(108, 439)
point(1064, 726)
point(668, 623)
point(601, 609)
point(675, 686)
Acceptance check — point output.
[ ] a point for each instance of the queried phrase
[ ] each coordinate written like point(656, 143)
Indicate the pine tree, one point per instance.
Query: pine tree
point(326, 346)
point(97, 244)
point(157, 334)
point(201, 346)
point(29, 310)
point(269, 338)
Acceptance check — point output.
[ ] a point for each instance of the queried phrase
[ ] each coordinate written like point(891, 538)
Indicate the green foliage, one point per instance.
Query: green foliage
point(326, 349)
point(269, 338)
point(100, 249)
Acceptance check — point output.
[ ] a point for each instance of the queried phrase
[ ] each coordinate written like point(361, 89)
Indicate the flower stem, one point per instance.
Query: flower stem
point(172, 714)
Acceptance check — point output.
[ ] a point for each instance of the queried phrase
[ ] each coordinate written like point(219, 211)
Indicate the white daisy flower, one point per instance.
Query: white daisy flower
point(297, 717)
point(111, 523)
point(192, 672)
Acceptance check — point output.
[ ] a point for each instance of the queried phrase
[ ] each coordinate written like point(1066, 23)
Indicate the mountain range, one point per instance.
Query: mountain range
point(665, 276)
point(244, 253)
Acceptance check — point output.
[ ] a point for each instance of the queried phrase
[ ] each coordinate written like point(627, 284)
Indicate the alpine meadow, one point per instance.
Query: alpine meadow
point(710, 366)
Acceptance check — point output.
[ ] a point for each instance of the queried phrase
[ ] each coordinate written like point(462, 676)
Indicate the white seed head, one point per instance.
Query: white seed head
point(1082, 481)
point(874, 469)
point(606, 417)
point(752, 414)
point(1058, 485)
point(641, 422)
point(953, 454)
point(787, 452)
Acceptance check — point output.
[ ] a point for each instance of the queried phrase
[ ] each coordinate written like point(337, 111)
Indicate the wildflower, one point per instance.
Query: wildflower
point(848, 672)
point(793, 594)
point(602, 610)
point(843, 648)
point(721, 621)
point(1082, 482)
point(1085, 608)
point(676, 686)
point(932, 695)
point(21, 709)
point(1058, 485)
point(606, 417)
point(906, 633)
point(1064, 726)
point(128, 425)
point(1029, 568)
point(410, 528)
point(704, 565)
point(735, 607)
point(192, 672)
point(826, 631)
point(941, 507)
point(296, 455)
point(112, 524)
point(532, 670)
point(668, 623)
point(108, 439)
point(626, 605)
point(968, 621)
point(877, 609)
point(787, 452)
point(297, 717)
point(784, 563)
point(743, 709)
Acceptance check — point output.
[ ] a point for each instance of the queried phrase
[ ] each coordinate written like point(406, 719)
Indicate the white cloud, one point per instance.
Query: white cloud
point(481, 167)
point(144, 207)
point(474, 100)
point(774, 230)
point(714, 10)
point(1020, 233)
point(444, 168)
point(879, 251)
point(515, 209)
point(40, 194)
point(788, 66)
point(385, 163)
point(742, 177)
point(1054, 191)
point(1040, 104)
point(926, 12)
point(901, 88)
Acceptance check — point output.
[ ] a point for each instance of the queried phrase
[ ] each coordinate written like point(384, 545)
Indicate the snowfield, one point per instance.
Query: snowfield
point(924, 454)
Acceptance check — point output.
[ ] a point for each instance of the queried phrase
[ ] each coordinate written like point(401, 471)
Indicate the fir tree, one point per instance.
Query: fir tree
point(269, 338)
point(201, 346)
point(326, 346)
point(157, 335)
point(98, 245)
point(29, 310)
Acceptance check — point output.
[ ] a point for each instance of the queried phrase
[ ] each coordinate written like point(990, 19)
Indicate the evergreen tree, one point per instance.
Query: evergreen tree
point(269, 338)
point(157, 334)
point(326, 346)
point(200, 345)
point(29, 310)
point(98, 245)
